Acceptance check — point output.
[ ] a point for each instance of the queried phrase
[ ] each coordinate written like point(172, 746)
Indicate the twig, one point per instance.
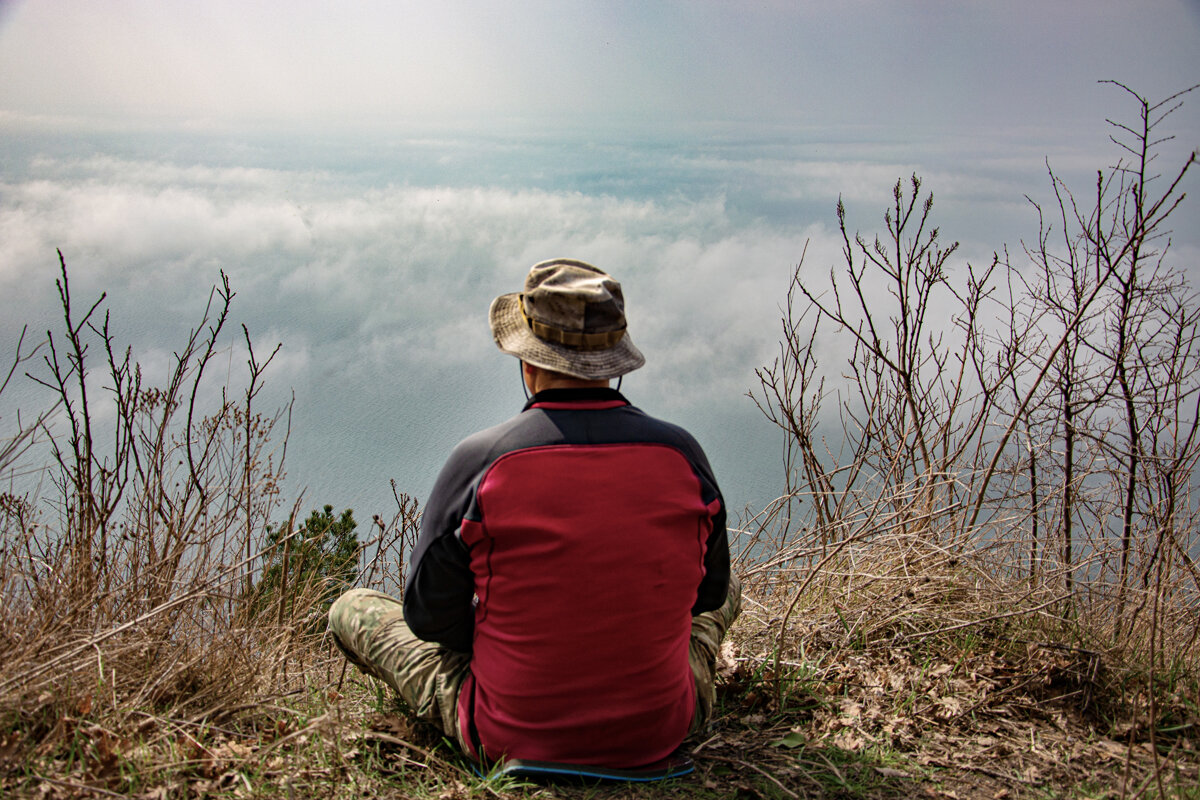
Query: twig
point(316, 723)
point(74, 785)
point(992, 772)
point(757, 769)
point(396, 740)
point(993, 618)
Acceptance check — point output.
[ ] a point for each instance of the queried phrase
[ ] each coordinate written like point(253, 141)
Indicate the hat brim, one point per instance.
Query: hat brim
point(514, 337)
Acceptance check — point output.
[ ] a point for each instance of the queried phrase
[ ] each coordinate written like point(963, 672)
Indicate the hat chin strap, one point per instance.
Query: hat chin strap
point(525, 386)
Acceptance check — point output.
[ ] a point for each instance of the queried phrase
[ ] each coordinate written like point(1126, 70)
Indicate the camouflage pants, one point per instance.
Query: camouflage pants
point(369, 627)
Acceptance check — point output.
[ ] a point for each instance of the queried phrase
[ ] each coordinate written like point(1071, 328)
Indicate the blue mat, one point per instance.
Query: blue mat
point(670, 767)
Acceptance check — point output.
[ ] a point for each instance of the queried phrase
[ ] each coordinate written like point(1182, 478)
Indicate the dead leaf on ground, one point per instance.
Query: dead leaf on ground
point(848, 739)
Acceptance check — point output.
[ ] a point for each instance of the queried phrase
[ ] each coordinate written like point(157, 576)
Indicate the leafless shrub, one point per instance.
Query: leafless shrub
point(127, 587)
point(1023, 433)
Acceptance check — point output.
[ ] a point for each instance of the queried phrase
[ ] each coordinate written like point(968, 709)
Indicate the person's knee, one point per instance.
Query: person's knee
point(733, 600)
point(345, 604)
point(348, 596)
point(359, 609)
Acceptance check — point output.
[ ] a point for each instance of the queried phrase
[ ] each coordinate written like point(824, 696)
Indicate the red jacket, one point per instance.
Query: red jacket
point(567, 550)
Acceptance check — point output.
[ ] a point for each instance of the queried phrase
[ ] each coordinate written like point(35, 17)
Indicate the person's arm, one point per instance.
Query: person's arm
point(438, 598)
point(714, 586)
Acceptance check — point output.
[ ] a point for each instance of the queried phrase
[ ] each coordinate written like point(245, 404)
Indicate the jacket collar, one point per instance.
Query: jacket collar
point(602, 395)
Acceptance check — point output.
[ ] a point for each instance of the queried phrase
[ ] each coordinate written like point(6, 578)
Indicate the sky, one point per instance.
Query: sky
point(923, 63)
point(371, 174)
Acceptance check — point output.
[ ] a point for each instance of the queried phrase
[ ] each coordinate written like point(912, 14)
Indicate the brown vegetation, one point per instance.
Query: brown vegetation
point(981, 580)
point(1008, 472)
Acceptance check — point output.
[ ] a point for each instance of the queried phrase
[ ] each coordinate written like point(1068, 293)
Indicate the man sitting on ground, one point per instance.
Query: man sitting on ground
point(570, 585)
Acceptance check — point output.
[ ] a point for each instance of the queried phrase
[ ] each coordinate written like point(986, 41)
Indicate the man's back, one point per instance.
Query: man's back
point(586, 527)
point(570, 585)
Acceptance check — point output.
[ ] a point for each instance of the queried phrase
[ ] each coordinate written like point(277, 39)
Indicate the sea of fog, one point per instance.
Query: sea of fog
point(371, 259)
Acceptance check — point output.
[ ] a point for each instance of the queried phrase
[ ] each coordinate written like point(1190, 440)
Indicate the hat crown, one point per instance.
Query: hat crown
point(574, 298)
point(569, 319)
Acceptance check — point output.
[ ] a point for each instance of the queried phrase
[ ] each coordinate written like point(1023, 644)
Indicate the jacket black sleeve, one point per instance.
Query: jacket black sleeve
point(438, 600)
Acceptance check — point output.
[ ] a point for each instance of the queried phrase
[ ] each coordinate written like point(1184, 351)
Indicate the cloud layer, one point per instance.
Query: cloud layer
point(379, 293)
point(373, 262)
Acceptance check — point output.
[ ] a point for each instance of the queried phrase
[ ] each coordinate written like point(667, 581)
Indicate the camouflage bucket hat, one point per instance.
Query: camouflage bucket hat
point(570, 318)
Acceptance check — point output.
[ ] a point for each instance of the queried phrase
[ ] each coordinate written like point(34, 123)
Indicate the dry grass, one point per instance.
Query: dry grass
point(875, 689)
point(929, 611)
point(139, 651)
point(907, 668)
